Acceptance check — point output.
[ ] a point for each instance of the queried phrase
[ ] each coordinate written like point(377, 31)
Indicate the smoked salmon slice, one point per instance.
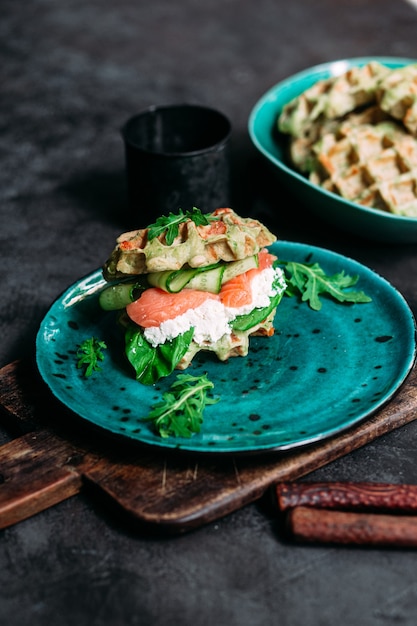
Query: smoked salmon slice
point(156, 305)
point(237, 292)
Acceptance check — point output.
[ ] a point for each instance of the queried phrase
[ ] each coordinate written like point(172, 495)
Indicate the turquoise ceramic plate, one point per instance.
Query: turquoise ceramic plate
point(319, 374)
point(262, 125)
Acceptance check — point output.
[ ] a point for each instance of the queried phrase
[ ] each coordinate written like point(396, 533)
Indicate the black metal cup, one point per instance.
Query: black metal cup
point(177, 157)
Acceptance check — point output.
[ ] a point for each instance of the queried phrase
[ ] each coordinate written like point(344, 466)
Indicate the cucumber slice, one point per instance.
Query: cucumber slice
point(171, 281)
point(209, 278)
point(175, 280)
point(212, 280)
point(118, 296)
point(235, 268)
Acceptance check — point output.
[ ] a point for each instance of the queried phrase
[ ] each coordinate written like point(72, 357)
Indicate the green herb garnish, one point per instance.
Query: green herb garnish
point(89, 353)
point(169, 225)
point(151, 364)
point(180, 413)
point(310, 281)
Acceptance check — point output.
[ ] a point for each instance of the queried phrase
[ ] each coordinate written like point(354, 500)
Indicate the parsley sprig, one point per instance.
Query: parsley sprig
point(89, 354)
point(168, 225)
point(310, 281)
point(180, 413)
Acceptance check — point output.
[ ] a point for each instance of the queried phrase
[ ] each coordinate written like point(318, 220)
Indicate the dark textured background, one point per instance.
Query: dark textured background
point(70, 74)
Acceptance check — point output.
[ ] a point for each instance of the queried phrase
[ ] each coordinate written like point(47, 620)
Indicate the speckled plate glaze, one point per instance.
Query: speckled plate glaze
point(321, 372)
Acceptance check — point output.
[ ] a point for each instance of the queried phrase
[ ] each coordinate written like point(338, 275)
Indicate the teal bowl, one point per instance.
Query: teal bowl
point(349, 216)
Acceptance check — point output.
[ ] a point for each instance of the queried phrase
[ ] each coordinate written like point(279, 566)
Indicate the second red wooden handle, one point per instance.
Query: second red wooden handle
point(323, 526)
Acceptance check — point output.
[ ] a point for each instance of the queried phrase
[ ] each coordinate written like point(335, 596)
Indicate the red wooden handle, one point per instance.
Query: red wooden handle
point(348, 496)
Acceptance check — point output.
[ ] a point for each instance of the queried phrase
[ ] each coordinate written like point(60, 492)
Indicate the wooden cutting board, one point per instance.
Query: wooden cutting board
point(55, 455)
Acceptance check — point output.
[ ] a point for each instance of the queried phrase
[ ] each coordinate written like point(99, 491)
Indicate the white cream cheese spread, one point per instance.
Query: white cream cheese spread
point(211, 320)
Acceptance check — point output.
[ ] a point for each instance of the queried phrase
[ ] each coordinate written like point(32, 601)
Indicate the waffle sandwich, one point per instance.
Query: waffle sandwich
point(194, 283)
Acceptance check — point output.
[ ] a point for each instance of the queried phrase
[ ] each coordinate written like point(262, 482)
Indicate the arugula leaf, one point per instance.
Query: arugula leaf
point(149, 363)
point(89, 353)
point(169, 224)
point(180, 413)
point(256, 316)
point(310, 281)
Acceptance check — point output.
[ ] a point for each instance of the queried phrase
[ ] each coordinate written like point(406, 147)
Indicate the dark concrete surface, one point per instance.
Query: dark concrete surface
point(71, 73)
